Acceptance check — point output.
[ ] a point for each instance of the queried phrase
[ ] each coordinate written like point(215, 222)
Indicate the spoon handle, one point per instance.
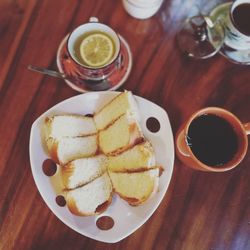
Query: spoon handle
point(47, 72)
point(102, 84)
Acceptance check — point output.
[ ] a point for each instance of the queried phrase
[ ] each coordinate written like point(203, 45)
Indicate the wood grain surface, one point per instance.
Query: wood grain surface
point(201, 211)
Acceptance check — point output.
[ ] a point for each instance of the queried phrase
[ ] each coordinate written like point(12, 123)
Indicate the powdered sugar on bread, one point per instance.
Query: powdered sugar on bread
point(66, 149)
point(86, 199)
point(82, 171)
point(69, 125)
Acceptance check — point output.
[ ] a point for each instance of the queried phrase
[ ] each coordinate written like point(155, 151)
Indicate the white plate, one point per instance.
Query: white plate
point(126, 218)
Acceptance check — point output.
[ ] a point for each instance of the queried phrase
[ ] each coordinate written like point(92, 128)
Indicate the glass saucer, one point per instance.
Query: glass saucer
point(236, 56)
point(114, 80)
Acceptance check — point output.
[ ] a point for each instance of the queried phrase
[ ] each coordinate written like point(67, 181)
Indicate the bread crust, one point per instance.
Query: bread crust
point(67, 171)
point(132, 109)
point(108, 103)
point(99, 209)
point(103, 207)
point(131, 200)
point(52, 145)
point(135, 137)
point(124, 163)
point(134, 201)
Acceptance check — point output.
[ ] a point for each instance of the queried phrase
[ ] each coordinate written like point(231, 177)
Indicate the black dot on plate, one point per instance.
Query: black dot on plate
point(105, 223)
point(60, 201)
point(49, 167)
point(153, 125)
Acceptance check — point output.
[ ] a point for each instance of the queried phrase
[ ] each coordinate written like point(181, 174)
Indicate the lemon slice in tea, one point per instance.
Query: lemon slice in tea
point(96, 49)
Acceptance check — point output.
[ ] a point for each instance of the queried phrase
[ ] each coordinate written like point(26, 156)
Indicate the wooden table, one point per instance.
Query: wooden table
point(200, 210)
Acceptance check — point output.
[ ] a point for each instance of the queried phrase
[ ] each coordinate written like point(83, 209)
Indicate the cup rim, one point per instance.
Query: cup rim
point(235, 160)
point(233, 6)
point(88, 67)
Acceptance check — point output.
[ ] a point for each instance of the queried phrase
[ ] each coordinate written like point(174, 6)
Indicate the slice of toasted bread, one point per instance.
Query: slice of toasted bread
point(138, 158)
point(69, 125)
point(92, 198)
point(121, 135)
point(83, 170)
point(66, 149)
point(136, 187)
point(118, 106)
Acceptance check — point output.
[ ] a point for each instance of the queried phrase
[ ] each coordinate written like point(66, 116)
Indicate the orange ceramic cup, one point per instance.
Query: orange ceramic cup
point(186, 155)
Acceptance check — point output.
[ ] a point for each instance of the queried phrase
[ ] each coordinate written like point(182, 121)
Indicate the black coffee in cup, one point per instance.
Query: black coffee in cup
point(241, 18)
point(212, 140)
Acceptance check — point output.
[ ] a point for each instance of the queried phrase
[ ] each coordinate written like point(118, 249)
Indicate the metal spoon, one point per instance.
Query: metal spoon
point(102, 84)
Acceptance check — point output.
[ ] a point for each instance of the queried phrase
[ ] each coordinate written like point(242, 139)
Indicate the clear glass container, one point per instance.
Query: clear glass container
point(200, 38)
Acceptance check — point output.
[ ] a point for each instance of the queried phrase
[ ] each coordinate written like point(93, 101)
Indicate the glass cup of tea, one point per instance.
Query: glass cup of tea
point(213, 139)
point(95, 50)
point(237, 25)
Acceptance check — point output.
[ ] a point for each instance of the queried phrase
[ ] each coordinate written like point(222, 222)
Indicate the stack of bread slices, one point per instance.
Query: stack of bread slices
point(102, 154)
